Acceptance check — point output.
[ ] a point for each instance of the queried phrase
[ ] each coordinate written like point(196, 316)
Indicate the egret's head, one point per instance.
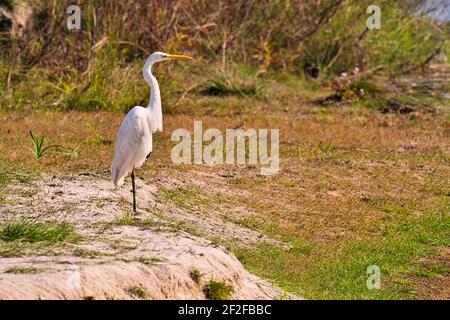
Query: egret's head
point(162, 56)
point(158, 57)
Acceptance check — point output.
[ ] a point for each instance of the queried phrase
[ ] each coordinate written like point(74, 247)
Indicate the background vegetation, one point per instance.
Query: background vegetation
point(43, 65)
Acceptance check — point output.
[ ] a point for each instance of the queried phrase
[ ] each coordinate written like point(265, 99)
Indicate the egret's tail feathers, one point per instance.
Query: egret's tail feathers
point(118, 181)
point(139, 163)
point(118, 176)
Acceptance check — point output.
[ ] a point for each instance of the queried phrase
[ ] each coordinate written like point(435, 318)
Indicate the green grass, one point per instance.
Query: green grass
point(32, 232)
point(233, 83)
point(339, 271)
point(138, 292)
point(434, 271)
point(10, 171)
point(128, 218)
point(12, 249)
point(217, 290)
point(106, 73)
point(38, 145)
point(187, 197)
point(22, 270)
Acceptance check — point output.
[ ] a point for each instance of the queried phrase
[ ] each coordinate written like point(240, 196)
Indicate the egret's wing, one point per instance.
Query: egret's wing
point(127, 145)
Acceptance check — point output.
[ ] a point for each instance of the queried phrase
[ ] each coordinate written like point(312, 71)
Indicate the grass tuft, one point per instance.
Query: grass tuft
point(38, 145)
point(195, 275)
point(126, 219)
point(10, 171)
point(233, 84)
point(187, 197)
point(138, 292)
point(217, 290)
point(32, 232)
point(343, 275)
point(22, 270)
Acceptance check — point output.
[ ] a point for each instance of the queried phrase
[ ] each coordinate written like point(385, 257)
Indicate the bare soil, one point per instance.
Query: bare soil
point(118, 251)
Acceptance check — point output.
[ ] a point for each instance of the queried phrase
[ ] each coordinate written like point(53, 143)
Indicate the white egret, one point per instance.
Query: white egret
point(134, 141)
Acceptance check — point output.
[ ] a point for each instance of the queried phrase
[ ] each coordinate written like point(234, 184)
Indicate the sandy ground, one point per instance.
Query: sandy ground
point(114, 258)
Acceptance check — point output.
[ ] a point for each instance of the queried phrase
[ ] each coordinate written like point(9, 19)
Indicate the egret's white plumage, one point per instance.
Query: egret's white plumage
point(134, 142)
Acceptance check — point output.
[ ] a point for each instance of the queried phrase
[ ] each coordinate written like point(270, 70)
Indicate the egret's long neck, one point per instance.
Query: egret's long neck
point(154, 106)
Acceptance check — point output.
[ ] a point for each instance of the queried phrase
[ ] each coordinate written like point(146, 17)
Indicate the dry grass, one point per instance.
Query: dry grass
point(349, 176)
point(356, 186)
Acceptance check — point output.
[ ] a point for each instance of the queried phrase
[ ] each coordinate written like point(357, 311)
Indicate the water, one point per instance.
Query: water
point(434, 82)
point(438, 9)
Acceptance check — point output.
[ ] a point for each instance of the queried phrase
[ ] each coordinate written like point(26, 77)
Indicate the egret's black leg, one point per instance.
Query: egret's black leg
point(134, 190)
point(148, 156)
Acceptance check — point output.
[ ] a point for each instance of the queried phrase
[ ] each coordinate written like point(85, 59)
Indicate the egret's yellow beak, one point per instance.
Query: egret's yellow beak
point(177, 56)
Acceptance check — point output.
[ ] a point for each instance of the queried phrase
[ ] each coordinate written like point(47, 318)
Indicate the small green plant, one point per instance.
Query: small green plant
point(138, 292)
point(217, 290)
point(38, 145)
point(186, 197)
